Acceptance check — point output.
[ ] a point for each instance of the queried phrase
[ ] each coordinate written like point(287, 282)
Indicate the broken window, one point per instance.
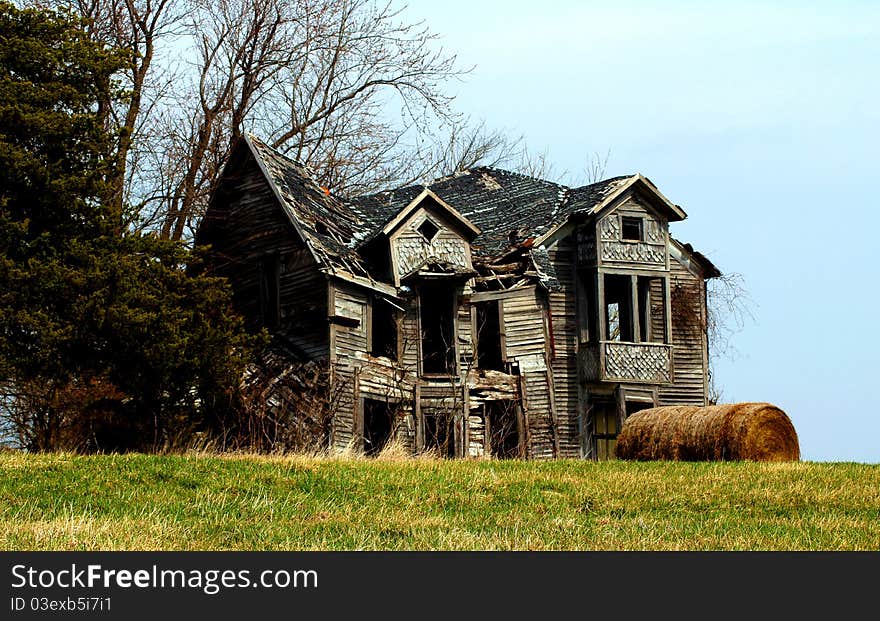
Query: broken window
point(502, 430)
point(631, 228)
point(270, 302)
point(378, 425)
point(618, 308)
point(437, 319)
point(384, 329)
point(440, 434)
point(428, 230)
point(489, 347)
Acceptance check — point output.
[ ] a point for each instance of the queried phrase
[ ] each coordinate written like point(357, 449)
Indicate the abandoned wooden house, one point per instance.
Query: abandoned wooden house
point(488, 313)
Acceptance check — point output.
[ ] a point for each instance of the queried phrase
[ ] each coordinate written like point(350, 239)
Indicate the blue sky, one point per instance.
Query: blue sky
point(763, 122)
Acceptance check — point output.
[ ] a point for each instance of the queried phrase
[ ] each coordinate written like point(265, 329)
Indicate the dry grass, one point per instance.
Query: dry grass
point(247, 502)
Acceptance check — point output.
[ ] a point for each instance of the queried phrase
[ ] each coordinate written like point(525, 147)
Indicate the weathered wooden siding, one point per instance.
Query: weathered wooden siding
point(658, 311)
point(349, 305)
point(410, 338)
point(344, 391)
point(687, 293)
point(363, 376)
point(564, 346)
point(465, 330)
point(250, 226)
point(476, 434)
point(525, 336)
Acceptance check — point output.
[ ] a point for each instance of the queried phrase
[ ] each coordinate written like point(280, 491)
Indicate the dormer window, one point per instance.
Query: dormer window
point(428, 230)
point(631, 229)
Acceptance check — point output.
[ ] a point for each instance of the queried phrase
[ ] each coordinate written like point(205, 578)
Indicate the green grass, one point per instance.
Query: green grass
point(139, 502)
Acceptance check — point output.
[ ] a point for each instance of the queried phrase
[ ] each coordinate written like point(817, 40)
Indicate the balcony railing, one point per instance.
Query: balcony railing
point(616, 361)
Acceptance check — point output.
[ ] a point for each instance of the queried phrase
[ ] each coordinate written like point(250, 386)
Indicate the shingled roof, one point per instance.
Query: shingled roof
point(509, 208)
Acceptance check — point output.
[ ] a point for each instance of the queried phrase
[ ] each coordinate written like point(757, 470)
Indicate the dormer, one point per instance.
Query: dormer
point(429, 239)
point(630, 230)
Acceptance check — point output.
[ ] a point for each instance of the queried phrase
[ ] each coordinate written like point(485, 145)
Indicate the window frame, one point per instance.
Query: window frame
point(632, 220)
point(429, 221)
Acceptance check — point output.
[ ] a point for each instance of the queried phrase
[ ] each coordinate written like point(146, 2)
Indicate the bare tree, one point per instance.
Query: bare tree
point(350, 88)
point(139, 29)
point(729, 306)
point(596, 167)
point(240, 45)
point(466, 144)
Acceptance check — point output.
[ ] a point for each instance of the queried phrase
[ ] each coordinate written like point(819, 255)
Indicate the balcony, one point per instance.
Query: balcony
point(617, 361)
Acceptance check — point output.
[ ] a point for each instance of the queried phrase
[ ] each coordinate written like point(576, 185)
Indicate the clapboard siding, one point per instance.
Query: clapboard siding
point(687, 296)
point(344, 391)
point(539, 416)
point(564, 324)
point(247, 226)
point(349, 303)
point(524, 314)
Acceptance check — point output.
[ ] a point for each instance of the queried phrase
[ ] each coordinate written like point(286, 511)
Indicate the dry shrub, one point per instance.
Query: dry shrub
point(742, 431)
point(81, 415)
point(286, 407)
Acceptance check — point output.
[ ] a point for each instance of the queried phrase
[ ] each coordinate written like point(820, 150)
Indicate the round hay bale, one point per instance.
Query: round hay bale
point(735, 432)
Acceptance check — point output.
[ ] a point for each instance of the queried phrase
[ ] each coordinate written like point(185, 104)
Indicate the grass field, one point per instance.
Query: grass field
point(139, 502)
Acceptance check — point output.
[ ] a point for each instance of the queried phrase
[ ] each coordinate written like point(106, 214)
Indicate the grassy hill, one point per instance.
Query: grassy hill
point(138, 502)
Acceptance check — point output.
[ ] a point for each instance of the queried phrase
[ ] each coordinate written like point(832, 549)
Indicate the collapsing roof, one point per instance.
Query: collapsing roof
point(506, 213)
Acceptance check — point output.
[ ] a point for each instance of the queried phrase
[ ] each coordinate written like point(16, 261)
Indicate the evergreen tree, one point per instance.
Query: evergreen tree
point(107, 340)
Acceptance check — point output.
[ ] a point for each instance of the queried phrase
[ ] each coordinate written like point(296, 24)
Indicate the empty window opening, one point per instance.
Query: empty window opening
point(603, 417)
point(270, 302)
point(378, 425)
point(644, 305)
point(489, 347)
point(436, 314)
point(618, 308)
point(590, 310)
point(637, 406)
point(440, 434)
point(502, 429)
point(631, 229)
point(384, 329)
point(652, 309)
point(428, 230)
